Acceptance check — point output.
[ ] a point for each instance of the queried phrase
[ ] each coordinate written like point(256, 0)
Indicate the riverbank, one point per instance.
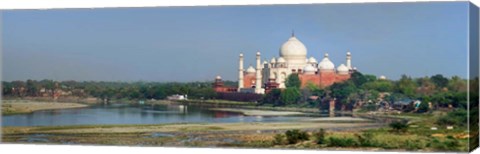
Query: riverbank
point(241, 105)
point(347, 136)
point(249, 112)
point(173, 135)
point(26, 106)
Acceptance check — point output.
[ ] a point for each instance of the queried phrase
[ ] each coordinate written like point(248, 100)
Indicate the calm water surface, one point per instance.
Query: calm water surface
point(125, 114)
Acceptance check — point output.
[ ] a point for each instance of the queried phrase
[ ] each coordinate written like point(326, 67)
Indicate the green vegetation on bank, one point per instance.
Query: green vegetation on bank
point(411, 139)
point(371, 93)
point(109, 90)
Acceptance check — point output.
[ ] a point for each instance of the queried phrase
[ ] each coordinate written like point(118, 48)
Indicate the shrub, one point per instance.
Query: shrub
point(457, 117)
point(320, 136)
point(399, 126)
point(366, 139)
point(279, 139)
point(341, 142)
point(294, 136)
point(413, 145)
point(449, 144)
point(369, 107)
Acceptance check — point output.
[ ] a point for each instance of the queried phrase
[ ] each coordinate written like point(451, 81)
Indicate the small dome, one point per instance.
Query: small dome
point(265, 62)
point(281, 60)
point(312, 60)
point(293, 48)
point(309, 68)
point(241, 54)
point(382, 77)
point(250, 69)
point(326, 64)
point(342, 69)
point(218, 77)
point(273, 60)
point(349, 54)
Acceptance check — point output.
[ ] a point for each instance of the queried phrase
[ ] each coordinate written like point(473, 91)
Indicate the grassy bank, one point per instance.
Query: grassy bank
point(338, 136)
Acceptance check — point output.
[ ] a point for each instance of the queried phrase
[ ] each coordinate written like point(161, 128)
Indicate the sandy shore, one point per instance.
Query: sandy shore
point(177, 135)
point(189, 127)
point(338, 119)
point(249, 112)
point(16, 107)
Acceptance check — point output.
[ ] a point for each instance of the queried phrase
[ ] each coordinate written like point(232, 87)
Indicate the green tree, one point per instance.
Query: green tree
point(439, 80)
point(406, 86)
point(358, 78)
point(290, 96)
point(457, 84)
point(379, 85)
point(342, 91)
point(32, 88)
point(370, 78)
point(293, 81)
point(273, 97)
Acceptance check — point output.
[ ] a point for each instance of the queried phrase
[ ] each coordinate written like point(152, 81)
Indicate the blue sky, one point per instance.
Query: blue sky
point(198, 43)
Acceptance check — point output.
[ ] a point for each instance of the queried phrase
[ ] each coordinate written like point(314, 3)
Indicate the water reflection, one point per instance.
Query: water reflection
point(138, 114)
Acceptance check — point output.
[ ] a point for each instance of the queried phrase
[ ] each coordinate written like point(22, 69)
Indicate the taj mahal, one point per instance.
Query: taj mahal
point(292, 60)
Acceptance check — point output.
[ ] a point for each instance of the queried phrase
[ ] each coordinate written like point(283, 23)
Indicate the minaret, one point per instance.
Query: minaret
point(349, 60)
point(258, 81)
point(240, 72)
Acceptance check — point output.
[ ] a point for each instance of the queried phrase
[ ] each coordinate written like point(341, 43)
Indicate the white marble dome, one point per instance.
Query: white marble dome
point(273, 61)
point(382, 77)
point(342, 69)
point(281, 60)
point(326, 64)
point(309, 69)
point(293, 48)
point(312, 60)
point(250, 69)
point(218, 77)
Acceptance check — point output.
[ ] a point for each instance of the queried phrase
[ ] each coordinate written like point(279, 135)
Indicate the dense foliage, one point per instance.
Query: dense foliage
point(368, 91)
point(295, 136)
point(399, 126)
point(108, 90)
point(319, 136)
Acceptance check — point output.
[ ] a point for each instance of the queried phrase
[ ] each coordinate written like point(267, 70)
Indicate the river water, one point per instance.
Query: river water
point(128, 114)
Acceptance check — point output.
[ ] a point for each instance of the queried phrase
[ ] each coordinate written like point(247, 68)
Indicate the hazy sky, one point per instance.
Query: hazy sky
point(198, 43)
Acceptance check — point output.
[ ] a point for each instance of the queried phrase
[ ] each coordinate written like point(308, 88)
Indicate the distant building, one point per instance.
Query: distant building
point(177, 97)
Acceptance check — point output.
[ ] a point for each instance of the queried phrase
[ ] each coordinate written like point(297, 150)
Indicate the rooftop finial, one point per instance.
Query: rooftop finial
point(293, 33)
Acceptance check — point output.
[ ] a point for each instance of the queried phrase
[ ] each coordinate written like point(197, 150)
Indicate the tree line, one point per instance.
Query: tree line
point(365, 89)
point(360, 88)
point(109, 90)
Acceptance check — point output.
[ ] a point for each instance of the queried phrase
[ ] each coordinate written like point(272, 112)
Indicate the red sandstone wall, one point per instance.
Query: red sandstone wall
point(225, 89)
point(313, 78)
point(327, 78)
point(248, 80)
point(323, 79)
point(341, 78)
